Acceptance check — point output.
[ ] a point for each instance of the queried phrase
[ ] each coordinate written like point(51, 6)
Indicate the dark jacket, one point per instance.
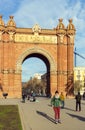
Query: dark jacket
point(78, 98)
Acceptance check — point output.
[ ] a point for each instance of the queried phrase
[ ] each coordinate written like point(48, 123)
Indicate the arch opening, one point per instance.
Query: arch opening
point(43, 88)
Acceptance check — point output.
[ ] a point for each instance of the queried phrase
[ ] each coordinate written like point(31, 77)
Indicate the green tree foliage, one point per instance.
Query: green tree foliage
point(70, 85)
point(78, 85)
point(35, 85)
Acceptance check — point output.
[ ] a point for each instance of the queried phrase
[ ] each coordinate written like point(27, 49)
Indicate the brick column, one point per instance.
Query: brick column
point(53, 82)
point(17, 84)
point(70, 55)
point(61, 56)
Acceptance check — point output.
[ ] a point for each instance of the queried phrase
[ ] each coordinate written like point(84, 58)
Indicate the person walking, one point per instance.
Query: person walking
point(55, 102)
point(62, 98)
point(23, 97)
point(78, 101)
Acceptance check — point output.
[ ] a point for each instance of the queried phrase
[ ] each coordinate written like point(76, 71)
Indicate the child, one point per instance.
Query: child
point(55, 102)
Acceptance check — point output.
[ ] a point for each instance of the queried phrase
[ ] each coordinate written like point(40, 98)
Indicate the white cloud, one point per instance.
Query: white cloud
point(42, 12)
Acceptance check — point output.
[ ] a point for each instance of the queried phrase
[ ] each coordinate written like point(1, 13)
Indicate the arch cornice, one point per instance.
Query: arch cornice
point(38, 50)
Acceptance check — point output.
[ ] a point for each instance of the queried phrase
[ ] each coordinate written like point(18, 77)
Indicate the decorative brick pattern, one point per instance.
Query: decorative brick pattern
point(54, 46)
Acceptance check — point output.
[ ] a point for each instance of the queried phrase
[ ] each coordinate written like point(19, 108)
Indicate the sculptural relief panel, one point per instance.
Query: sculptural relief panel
point(35, 38)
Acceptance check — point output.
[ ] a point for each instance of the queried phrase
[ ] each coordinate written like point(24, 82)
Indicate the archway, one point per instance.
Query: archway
point(46, 58)
point(56, 45)
point(45, 77)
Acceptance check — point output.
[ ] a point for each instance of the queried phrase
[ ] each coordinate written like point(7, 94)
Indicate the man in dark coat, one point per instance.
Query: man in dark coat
point(78, 101)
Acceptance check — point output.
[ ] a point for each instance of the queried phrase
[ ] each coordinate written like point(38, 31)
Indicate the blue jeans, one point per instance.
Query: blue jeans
point(62, 104)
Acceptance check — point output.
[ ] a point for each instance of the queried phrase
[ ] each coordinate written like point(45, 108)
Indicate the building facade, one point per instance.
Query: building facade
point(79, 79)
point(54, 46)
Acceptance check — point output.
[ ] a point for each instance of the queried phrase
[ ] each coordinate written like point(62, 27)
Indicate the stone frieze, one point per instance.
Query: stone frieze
point(35, 38)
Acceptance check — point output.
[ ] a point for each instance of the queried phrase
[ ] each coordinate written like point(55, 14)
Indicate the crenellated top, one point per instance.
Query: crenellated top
point(70, 28)
point(60, 25)
point(70, 25)
point(13, 31)
point(11, 25)
point(60, 29)
point(1, 23)
point(11, 22)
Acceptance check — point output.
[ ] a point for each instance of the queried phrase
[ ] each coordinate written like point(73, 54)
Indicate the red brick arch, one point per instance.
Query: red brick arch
point(39, 51)
point(56, 45)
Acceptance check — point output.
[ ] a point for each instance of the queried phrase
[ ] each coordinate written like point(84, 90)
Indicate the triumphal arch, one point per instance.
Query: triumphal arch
point(54, 46)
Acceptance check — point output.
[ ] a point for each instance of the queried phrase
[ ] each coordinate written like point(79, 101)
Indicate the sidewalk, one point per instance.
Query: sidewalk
point(40, 116)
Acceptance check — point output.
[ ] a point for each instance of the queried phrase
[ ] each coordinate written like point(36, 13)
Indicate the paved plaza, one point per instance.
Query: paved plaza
point(39, 115)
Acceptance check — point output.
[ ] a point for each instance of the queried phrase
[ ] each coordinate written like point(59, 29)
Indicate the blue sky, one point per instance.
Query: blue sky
point(46, 13)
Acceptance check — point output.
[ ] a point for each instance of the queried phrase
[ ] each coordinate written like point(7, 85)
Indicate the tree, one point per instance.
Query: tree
point(77, 86)
point(35, 85)
point(70, 85)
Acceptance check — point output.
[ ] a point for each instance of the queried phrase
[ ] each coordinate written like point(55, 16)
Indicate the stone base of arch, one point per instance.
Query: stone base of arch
point(12, 87)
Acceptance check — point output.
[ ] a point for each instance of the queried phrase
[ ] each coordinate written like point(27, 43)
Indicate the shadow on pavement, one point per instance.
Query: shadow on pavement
point(83, 103)
point(68, 109)
point(63, 108)
point(46, 116)
point(76, 116)
point(49, 105)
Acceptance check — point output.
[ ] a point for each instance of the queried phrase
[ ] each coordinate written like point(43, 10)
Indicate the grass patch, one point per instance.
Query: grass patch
point(10, 118)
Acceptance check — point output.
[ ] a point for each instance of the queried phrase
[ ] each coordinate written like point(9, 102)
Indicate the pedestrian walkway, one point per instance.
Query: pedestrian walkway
point(39, 115)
